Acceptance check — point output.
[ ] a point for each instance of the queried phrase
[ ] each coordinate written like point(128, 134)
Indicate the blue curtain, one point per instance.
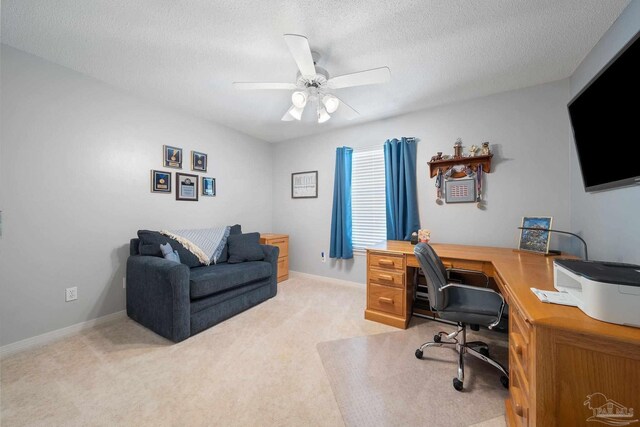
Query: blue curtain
point(400, 179)
point(341, 243)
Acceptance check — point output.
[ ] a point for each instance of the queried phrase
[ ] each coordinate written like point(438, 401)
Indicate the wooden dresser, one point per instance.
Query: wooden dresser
point(558, 356)
point(282, 242)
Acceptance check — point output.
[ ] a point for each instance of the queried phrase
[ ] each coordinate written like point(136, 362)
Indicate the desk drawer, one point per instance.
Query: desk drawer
point(387, 262)
point(386, 278)
point(518, 398)
point(282, 244)
point(385, 298)
point(283, 268)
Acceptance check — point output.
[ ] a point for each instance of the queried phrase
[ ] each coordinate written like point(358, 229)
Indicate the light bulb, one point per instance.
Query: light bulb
point(331, 103)
point(323, 116)
point(299, 99)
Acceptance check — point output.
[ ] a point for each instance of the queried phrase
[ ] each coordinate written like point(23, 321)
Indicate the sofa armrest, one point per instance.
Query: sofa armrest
point(158, 296)
point(271, 254)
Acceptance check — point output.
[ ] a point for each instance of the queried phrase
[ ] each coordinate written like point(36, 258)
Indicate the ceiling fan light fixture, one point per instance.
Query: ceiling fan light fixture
point(296, 112)
point(323, 116)
point(299, 99)
point(331, 103)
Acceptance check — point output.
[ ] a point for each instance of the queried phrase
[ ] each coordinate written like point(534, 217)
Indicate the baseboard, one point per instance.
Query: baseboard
point(48, 337)
point(293, 273)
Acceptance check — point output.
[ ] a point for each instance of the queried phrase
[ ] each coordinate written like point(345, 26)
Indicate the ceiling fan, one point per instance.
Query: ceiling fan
point(313, 84)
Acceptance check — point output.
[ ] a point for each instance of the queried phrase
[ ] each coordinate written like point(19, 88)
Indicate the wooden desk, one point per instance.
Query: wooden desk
point(558, 355)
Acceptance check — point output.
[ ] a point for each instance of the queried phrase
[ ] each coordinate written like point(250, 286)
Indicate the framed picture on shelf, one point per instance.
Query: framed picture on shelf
point(304, 185)
point(172, 157)
point(198, 161)
point(160, 181)
point(208, 186)
point(186, 187)
point(536, 240)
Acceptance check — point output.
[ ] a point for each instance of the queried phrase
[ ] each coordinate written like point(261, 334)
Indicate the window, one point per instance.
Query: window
point(369, 213)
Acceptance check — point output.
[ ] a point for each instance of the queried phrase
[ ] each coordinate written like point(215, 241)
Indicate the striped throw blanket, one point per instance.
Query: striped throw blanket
point(207, 243)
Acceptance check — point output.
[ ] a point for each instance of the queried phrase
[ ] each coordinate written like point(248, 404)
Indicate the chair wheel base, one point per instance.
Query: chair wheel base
point(419, 354)
point(505, 381)
point(437, 338)
point(457, 384)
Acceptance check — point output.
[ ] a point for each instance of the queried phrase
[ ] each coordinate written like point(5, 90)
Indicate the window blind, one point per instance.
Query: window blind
point(369, 217)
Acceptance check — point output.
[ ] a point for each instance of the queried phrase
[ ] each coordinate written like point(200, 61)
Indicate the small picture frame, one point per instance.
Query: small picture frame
point(208, 186)
point(172, 157)
point(160, 181)
point(535, 240)
point(460, 190)
point(304, 185)
point(198, 161)
point(186, 187)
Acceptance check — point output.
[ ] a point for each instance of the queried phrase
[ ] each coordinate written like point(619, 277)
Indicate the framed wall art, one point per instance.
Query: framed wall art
point(198, 161)
point(535, 240)
point(160, 181)
point(460, 190)
point(304, 185)
point(172, 157)
point(208, 186)
point(186, 187)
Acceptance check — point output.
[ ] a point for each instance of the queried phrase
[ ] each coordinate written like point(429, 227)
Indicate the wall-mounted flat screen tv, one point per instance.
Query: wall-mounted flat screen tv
point(605, 117)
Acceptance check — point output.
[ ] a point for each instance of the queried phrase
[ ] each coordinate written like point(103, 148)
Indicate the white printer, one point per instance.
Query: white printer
point(605, 291)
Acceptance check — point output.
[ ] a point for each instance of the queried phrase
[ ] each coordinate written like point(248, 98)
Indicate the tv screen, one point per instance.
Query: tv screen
point(605, 117)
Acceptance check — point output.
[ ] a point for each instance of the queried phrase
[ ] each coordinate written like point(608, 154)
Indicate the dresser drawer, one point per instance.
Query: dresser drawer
point(386, 278)
point(387, 262)
point(283, 267)
point(518, 398)
point(385, 298)
point(282, 244)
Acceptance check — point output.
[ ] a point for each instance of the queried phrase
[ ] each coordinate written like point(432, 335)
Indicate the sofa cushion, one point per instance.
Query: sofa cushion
point(245, 247)
point(235, 229)
point(150, 242)
point(212, 279)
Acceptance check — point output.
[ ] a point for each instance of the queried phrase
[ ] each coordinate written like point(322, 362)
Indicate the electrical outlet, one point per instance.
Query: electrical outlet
point(324, 258)
point(124, 283)
point(71, 294)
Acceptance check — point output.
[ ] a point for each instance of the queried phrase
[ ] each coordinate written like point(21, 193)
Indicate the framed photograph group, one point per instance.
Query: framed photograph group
point(188, 186)
point(304, 185)
point(536, 240)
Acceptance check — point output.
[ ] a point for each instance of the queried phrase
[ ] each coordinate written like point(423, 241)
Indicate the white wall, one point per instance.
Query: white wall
point(608, 220)
point(76, 160)
point(529, 133)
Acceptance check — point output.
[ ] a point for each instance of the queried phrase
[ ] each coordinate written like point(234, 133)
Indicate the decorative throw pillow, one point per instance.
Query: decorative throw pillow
point(235, 229)
point(150, 242)
point(244, 247)
point(169, 253)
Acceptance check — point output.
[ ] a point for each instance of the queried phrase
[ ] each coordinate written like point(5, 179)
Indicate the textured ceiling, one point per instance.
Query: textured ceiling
point(187, 53)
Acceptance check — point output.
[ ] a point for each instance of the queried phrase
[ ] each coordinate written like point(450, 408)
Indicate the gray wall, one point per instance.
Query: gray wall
point(76, 160)
point(609, 220)
point(530, 136)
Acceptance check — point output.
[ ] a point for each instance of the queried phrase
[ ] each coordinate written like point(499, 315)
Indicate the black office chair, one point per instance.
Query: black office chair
point(463, 304)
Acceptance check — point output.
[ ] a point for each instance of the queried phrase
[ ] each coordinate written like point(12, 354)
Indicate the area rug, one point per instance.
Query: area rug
point(378, 381)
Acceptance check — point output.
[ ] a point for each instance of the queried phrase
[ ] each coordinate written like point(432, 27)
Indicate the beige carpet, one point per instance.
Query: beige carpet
point(260, 367)
point(378, 381)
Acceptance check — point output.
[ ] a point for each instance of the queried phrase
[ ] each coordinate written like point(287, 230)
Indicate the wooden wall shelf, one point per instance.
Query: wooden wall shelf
point(472, 162)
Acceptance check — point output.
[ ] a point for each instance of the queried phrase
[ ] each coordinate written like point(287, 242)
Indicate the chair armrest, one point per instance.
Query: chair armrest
point(476, 272)
point(478, 289)
point(158, 296)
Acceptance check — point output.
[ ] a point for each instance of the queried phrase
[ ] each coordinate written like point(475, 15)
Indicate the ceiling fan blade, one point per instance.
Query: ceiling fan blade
point(347, 111)
point(258, 85)
point(301, 52)
point(367, 77)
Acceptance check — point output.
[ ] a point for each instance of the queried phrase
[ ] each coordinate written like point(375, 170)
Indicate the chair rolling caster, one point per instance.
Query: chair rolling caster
point(505, 381)
point(419, 354)
point(457, 384)
point(437, 338)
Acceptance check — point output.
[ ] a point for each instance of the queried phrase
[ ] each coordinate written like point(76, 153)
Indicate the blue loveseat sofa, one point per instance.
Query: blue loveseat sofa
point(178, 300)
